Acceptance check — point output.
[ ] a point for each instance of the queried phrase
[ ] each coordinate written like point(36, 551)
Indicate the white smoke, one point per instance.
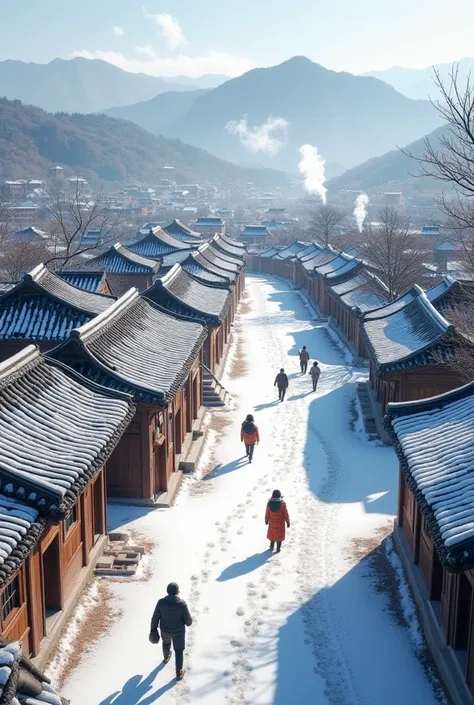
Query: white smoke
point(311, 165)
point(360, 210)
point(267, 137)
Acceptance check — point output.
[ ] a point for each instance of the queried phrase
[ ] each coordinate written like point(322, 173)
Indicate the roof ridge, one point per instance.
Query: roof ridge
point(102, 319)
point(435, 315)
point(36, 273)
point(373, 313)
point(169, 276)
point(14, 363)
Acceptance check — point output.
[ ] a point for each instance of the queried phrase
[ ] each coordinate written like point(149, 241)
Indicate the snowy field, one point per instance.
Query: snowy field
point(323, 622)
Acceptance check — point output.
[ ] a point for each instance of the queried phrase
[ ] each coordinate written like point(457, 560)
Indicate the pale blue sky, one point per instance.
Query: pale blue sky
point(220, 36)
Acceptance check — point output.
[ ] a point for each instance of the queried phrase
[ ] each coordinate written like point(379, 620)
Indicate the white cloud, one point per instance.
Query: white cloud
point(267, 137)
point(193, 66)
point(118, 31)
point(169, 29)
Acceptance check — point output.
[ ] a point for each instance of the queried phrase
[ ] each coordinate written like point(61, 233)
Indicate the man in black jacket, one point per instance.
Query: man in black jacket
point(281, 381)
point(172, 616)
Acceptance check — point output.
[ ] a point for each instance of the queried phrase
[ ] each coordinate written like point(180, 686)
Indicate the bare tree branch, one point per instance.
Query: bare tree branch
point(71, 220)
point(324, 222)
point(394, 251)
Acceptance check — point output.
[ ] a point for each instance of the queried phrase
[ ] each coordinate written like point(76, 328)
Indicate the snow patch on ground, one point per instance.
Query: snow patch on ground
point(408, 605)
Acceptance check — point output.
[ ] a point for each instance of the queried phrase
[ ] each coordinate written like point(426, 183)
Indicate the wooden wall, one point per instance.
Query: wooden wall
point(50, 572)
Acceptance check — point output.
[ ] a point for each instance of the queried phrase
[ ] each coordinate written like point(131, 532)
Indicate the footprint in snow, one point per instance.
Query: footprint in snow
point(236, 642)
point(239, 612)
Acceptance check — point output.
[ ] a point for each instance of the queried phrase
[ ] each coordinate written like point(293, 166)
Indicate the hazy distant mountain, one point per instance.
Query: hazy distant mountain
point(157, 114)
point(100, 147)
point(418, 83)
point(349, 118)
point(394, 171)
point(209, 80)
point(78, 85)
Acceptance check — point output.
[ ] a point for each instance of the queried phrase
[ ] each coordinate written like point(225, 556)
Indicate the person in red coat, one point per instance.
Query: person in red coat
point(276, 516)
point(249, 435)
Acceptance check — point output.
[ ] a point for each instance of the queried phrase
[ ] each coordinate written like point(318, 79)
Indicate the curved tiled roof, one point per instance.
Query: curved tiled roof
point(291, 250)
point(402, 338)
point(230, 241)
point(312, 249)
point(18, 672)
point(237, 253)
point(20, 528)
point(396, 305)
point(434, 440)
point(192, 298)
point(340, 262)
point(136, 348)
point(156, 244)
point(44, 308)
point(359, 279)
point(449, 294)
point(271, 252)
point(199, 259)
point(85, 280)
point(120, 260)
point(181, 231)
point(319, 258)
point(57, 431)
point(174, 258)
point(222, 262)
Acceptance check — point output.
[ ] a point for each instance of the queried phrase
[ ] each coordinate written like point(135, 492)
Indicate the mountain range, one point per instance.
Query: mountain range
point(99, 147)
point(393, 171)
point(86, 85)
point(349, 118)
point(419, 83)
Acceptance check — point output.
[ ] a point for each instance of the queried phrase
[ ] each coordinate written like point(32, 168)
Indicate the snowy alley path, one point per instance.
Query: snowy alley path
point(318, 624)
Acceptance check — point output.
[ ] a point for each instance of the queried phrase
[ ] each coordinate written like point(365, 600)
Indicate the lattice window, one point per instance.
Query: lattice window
point(11, 598)
point(70, 519)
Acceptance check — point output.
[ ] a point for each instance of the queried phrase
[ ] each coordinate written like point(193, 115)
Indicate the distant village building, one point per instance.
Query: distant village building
point(393, 198)
point(430, 230)
point(24, 214)
point(180, 231)
point(15, 189)
point(209, 226)
point(56, 172)
point(125, 268)
point(30, 234)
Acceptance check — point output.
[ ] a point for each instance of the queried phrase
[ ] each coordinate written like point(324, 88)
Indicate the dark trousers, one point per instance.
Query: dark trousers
point(315, 384)
point(304, 366)
point(272, 545)
point(281, 393)
point(249, 450)
point(178, 645)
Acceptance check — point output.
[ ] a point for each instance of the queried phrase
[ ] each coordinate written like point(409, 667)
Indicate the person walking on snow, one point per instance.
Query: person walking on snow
point(304, 359)
point(281, 381)
point(276, 516)
point(315, 373)
point(249, 435)
point(172, 616)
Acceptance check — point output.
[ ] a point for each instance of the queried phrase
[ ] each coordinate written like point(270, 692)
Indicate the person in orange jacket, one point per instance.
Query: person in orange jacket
point(276, 516)
point(249, 436)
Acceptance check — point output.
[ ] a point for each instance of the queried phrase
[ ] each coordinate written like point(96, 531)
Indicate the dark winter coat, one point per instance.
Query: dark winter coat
point(281, 380)
point(171, 615)
point(315, 372)
point(304, 356)
point(276, 516)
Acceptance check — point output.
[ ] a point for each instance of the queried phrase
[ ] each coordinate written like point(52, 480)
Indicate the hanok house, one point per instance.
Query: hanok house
point(229, 247)
point(410, 346)
point(95, 282)
point(334, 271)
point(180, 231)
point(279, 263)
point(125, 269)
point(156, 357)
point(201, 269)
point(178, 292)
point(350, 300)
point(255, 235)
point(209, 226)
point(58, 430)
point(41, 309)
point(294, 270)
point(305, 269)
point(434, 441)
point(21, 681)
point(225, 264)
point(158, 243)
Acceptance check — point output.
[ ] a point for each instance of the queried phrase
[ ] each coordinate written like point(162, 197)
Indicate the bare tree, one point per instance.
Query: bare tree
point(395, 252)
point(72, 218)
point(20, 256)
point(325, 221)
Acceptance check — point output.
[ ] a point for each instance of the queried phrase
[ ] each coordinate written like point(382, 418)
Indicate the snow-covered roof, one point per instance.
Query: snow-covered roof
point(85, 280)
point(156, 243)
point(20, 527)
point(180, 231)
point(208, 222)
point(363, 292)
point(271, 252)
point(224, 264)
point(136, 348)
point(291, 250)
point(230, 241)
point(255, 231)
point(57, 431)
point(120, 260)
point(319, 258)
point(396, 304)
point(18, 672)
point(403, 338)
point(434, 440)
point(339, 266)
point(43, 307)
point(200, 268)
point(178, 292)
point(312, 249)
point(228, 248)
